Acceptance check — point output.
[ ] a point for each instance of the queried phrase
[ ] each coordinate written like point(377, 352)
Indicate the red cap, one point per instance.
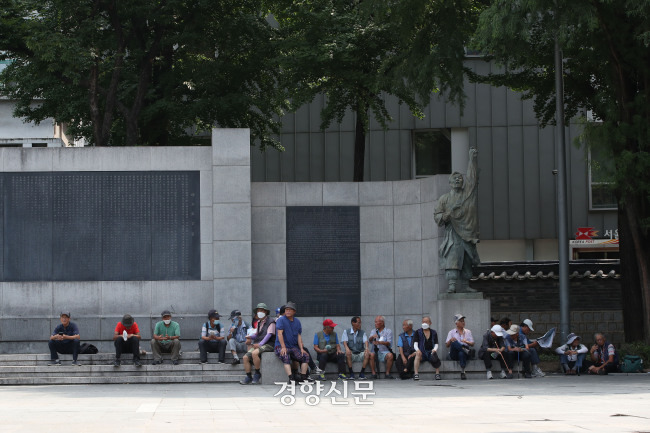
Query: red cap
point(328, 322)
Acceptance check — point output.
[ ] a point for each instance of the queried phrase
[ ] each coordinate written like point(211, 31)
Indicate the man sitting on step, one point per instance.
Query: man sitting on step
point(407, 353)
point(211, 340)
point(64, 339)
point(127, 337)
point(262, 340)
point(328, 349)
point(237, 335)
point(166, 338)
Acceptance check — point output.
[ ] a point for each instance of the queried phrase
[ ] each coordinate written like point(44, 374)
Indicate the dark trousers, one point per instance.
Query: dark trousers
point(487, 360)
point(456, 353)
point(212, 346)
point(525, 357)
point(399, 364)
point(131, 345)
point(324, 358)
point(66, 346)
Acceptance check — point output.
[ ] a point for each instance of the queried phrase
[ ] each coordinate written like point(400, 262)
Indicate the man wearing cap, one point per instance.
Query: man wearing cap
point(355, 342)
point(459, 341)
point(524, 330)
point(288, 342)
point(262, 340)
point(127, 337)
point(406, 346)
point(237, 335)
point(327, 347)
point(211, 340)
point(64, 339)
point(517, 350)
point(382, 340)
point(494, 347)
point(426, 348)
point(572, 355)
point(166, 338)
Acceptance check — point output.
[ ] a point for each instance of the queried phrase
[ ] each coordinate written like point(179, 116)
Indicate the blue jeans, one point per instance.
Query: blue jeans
point(456, 353)
point(574, 365)
point(534, 357)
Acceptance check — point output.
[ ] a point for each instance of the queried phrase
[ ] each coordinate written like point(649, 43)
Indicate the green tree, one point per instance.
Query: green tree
point(356, 52)
point(606, 70)
point(148, 72)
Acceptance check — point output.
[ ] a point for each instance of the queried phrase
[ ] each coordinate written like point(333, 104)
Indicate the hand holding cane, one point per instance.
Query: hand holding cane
point(504, 359)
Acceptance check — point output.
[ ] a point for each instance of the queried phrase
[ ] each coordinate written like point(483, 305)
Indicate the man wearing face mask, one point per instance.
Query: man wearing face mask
point(262, 340)
point(166, 338)
point(426, 348)
point(237, 335)
point(211, 340)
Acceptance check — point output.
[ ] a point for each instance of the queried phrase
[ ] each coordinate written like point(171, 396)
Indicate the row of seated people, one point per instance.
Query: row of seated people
point(283, 335)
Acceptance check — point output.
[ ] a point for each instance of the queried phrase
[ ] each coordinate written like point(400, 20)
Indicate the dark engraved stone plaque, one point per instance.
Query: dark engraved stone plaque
point(323, 260)
point(77, 218)
point(28, 227)
point(85, 226)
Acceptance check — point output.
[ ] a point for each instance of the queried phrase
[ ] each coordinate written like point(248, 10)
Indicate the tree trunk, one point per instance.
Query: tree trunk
point(632, 299)
point(359, 145)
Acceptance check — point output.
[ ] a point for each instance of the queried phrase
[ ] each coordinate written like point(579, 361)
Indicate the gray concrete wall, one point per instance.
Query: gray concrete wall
point(29, 311)
point(399, 245)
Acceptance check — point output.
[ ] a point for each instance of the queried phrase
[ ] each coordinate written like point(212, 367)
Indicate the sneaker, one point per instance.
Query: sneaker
point(489, 375)
point(463, 376)
point(54, 362)
point(374, 376)
point(235, 361)
point(537, 372)
point(220, 362)
point(246, 381)
point(175, 362)
point(257, 378)
point(503, 374)
point(343, 376)
point(416, 377)
point(438, 377)
point(203, 362)
point(76, 363)
point(362, 376)
point(137, 363)
point(116, 363)
point(157, 361)
point(352, 377)
point(389, 377)
point(527, 375)
point(318, 370)
point(321, 376)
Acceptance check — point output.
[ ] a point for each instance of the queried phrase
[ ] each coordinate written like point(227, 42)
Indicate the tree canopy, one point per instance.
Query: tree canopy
point(606, 53)
point(356, 52)
point(149, 72)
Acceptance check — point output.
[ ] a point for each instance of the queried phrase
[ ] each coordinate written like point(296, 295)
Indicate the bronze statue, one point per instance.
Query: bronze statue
point(457, 212)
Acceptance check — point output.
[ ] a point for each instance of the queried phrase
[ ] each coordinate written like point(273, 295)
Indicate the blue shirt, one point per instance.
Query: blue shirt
point(409, 339)
point(290, 331)
point(70, 330)
point(327, 338)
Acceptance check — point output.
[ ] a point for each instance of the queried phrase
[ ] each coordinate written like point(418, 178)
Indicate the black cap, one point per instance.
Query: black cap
point(166, 313)
point(213, 313)
point(127, 320)
point(234, 313)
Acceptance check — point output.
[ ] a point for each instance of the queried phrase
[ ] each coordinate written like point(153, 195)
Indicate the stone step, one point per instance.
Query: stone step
point(109, 370)
point(86, 380)
point(102, 358)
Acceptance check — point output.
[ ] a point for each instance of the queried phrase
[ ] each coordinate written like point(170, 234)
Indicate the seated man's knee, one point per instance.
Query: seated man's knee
point(418, 356)
point(389, 357)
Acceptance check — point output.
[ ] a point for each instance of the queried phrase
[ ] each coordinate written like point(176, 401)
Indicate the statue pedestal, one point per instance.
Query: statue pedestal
point(471, 305)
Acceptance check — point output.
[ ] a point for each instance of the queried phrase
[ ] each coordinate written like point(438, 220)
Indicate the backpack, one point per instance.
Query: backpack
point(87, 349)
point(632, 364)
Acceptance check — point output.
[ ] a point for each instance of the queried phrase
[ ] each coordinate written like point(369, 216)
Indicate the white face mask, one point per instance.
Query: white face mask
point(260, 314)
point(425, 326)
point(167, 322)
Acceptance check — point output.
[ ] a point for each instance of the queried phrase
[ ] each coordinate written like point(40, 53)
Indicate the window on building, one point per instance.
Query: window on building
point(601, 191)
point(432, 151)
point(39, 144)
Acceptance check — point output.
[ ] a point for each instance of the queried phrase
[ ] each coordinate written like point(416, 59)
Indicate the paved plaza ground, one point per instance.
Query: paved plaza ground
point(615, 403)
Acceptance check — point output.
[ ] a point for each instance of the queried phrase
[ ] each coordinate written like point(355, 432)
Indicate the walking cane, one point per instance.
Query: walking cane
point(504, 359)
